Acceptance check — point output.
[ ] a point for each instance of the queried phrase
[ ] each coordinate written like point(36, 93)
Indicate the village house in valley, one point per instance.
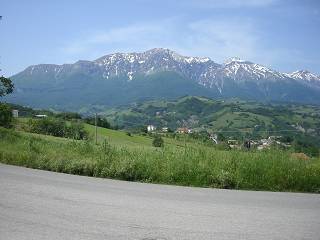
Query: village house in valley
point(151, 128)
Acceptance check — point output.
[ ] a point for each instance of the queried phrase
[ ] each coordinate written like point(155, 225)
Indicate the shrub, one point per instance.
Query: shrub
point(5, 116)
point(128, 134)
point(75, 131)
point(68, 115)
point(158, 141)
point(47, 126)
point(58, 128)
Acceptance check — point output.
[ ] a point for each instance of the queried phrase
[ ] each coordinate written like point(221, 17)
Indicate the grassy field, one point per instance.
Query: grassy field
point(115, 138)
point(133, 158)
point(121, 139)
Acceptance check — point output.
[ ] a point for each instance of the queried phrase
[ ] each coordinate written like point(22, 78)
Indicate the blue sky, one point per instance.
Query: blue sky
point(282, 34)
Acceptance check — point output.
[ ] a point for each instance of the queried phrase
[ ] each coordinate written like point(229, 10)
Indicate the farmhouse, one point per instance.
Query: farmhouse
point(184, 130)
point(151, 128)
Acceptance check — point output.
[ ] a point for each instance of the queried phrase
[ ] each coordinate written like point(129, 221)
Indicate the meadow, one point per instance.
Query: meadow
point(133, 158)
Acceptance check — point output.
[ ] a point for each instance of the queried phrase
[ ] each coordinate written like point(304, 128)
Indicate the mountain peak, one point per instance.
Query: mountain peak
point(234, 59)
point(159, 50)
point(304, 75)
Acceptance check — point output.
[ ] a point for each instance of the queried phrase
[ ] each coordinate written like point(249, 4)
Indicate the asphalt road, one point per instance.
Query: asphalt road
point(42, 205)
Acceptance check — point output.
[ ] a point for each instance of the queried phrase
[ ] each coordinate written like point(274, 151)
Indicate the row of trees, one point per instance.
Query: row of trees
point(101, 122)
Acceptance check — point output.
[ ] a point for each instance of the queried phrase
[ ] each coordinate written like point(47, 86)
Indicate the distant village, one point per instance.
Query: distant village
point(261, 144)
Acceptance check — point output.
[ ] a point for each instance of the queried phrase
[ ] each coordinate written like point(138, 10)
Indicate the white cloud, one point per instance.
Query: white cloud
point(134, 37)
point(221, 39)
point(216, 38)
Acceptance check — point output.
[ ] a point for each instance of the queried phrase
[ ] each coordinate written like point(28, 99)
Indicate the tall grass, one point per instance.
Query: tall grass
point(272, 170)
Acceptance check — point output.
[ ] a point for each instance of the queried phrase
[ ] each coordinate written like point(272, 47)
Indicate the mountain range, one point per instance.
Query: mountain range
point(122, 78)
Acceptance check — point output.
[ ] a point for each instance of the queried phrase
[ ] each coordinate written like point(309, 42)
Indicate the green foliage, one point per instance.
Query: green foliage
point(68, 115)
point(101, 122)
point(6, 86)
point(158, 141)
point(47, 126)
point(5, 115)
point(58, 128)
point(128, 134)
point(221, 137)
point(75, 130)
point(306, 147)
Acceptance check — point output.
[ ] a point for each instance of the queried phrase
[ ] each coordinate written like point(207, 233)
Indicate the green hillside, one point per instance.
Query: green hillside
point(233, 118)
point(84, 93)
point(115, 138)
point(122, 139)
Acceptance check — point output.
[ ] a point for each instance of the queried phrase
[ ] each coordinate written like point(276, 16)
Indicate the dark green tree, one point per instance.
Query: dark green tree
point(6, 86)
point(221, 137)
point(158, 141)
point(5, 116)
point(101, 122)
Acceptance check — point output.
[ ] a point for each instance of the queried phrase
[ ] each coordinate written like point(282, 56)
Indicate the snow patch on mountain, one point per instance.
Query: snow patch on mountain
point(304, 75)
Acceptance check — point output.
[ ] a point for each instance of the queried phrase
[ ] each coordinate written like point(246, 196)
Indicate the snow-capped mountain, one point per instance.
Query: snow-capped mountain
point(306, 77)
point(157, 72)
point(243, 70)
point(201, 69)
point(154, 60)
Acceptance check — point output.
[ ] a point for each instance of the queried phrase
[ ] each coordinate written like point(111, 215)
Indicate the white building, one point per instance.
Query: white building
point(40, 116)
point(165, 129)
point(151, 128)
point(15, 113)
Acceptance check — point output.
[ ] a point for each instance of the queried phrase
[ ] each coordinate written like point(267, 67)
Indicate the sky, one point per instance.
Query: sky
point(281, 34)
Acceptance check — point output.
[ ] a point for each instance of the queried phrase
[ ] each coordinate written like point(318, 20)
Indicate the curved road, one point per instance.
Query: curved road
point(42, 205)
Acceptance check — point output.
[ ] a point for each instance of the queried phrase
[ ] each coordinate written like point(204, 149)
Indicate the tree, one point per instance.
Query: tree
point(158, 141)
point(101, 122)
point(221, 137)
point(5, 115)
point(6, 86)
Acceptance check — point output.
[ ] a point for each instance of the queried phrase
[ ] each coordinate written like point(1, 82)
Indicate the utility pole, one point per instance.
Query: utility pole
point(96, 128)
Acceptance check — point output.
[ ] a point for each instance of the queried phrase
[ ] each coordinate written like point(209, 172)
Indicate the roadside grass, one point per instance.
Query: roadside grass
point(272, 170)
